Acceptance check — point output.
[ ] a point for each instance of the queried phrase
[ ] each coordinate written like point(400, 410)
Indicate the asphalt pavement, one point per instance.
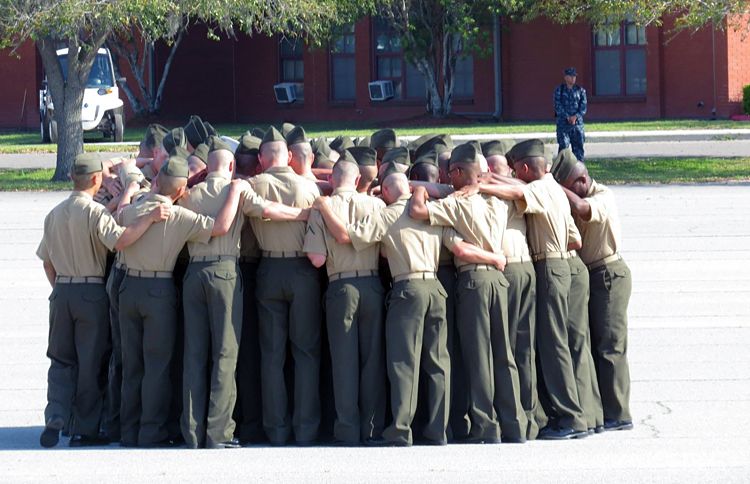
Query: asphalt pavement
point(689, 251)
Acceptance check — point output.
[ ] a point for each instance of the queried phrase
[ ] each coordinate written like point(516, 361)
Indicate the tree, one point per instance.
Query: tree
point(84, 25)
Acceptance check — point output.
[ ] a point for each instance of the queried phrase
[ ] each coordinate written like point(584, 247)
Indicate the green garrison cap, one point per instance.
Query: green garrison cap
point(195, 131)
point(249, 144)
point(440, 149)
point(154, 135)
point(465, 153)
point(347, 157)
point(383, 139)
point(430, 158)
point(258, 133)
point(287, 128)
point(563, 165)
point(398, 155)
point(86, 163)
point(175, 166)
point(363, 155)
point(341, 143)
point(296, 136)
point(390, 169)
point(272, 134)
point(415, 144)
point(179, 151)
point(321, 160)
point(201, 151)
point(365, 141)
point(215, 143)
point(526, 149)
point(320, 146)
point(210, 129)
point(176, 137)
point(430, 144)
point(497, 147)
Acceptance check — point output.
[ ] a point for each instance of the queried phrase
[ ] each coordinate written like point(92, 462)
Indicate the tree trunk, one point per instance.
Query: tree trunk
point(69, 128)
point(135, 103)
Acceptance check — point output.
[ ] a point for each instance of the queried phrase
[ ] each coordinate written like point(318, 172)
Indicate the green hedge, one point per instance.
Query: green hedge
point(746, 99)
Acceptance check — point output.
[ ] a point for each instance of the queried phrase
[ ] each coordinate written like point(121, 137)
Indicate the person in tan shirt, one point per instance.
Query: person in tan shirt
point(354, 310)
point(415, 328)
point(481, 294)
point(288, 299)
point(148, 302)
point(78, 233)
point(548, 232)
point(595, 214)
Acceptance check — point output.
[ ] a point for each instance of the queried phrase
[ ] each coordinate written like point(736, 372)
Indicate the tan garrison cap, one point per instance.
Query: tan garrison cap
point(176, 167)
point(86, 163)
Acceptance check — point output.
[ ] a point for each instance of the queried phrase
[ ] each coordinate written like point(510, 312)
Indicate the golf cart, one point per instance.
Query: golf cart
point(102, 107)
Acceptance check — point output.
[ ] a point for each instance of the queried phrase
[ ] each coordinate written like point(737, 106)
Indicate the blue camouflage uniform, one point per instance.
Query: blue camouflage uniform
point(569, 102)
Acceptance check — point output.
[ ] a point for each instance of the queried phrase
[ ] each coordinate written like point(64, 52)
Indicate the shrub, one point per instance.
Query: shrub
point(746, 99)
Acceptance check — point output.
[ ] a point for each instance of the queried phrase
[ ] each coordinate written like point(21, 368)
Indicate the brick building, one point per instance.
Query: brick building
point(629, 72)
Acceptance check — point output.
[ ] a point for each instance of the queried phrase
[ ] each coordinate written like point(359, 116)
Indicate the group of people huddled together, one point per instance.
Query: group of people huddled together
point(277, 289)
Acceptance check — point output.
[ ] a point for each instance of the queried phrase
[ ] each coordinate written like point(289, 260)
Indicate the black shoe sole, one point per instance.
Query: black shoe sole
point(622, 426)
point(51, 434)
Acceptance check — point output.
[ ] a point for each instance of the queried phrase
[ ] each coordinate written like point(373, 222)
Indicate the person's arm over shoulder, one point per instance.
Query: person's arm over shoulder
point(445, 211)
point(195, 227)
point(533, 198)
point(574, 236)
point(371, 229)
point(601, 204)
point(579, 206)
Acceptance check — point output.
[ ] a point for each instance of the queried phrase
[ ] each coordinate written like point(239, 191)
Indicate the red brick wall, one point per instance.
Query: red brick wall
point(19, 77)
point(738, 47)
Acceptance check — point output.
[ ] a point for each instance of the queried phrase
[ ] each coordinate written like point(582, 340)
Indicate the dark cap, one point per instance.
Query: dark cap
point(175, 137)
point(383, 139)
point(287, 128)
point(154, 135)
point(563, 165)
point(195, 131)
point(215, 143)
point(570, 71)
point(497, 147)
point(210, 129)
point(341, 143)
point(365, 141)
point(248, 144)
point(258, 133)
point(175, 166)
point(179, 151)
point(320, 146)
point(430, 144)
point(465, 153)
point(526, 149)
point(201, 152)
point(347, 157)
point(363, 155)
point(390, 169)
point(415, 144)
point(430, 158)
point(272, 134)
point(320, 160)
point(86, 163)
point(296, 136)
point(398, 155)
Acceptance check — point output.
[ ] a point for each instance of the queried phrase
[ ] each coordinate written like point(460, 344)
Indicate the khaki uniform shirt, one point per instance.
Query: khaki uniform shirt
point(410, 245)
point(601, 235)
point(351, 207)
point(549, 224)
point(479, 220)
point(514, 239)
point(159, 246)
point(207, 198)
point(281, 184)
point(78, 232)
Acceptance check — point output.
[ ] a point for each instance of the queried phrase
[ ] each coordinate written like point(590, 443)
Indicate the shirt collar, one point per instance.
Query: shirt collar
point(343, 190)
point(161, 199)
point(77, 193)
point(279, 169)
point(217, 174)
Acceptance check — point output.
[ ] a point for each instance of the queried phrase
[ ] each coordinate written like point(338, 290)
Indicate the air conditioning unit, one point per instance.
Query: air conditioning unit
point(380, 90)
point(285, 93)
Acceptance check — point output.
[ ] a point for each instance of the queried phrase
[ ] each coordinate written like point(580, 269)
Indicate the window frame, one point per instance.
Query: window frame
point(622, 48)
point(404, 99)
point(349, 30)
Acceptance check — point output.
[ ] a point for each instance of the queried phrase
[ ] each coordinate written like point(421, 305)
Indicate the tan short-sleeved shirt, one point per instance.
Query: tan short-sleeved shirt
point(159, 246)
point(514, 238)
point(351, 207)
point(601, 235)
point(281, 184)
point(548, 211)
point(479, 219)
point(410, 245)
point(207, 198)
point(78, 232)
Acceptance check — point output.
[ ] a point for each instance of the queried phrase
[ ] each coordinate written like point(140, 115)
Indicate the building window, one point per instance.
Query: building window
point(463, 78)
point(343, 72)
point(620, 60)
point(390, 64)
point(291, 64)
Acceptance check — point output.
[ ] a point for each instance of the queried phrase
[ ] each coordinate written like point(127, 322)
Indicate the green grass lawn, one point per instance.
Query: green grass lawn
point(29, 141)
point(613, 171)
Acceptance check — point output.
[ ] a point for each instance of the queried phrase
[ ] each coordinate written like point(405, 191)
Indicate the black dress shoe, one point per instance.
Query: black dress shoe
point(434, 442)
point(162, 444)
point(590, 431)
point(480, 440)
point(381, 442)
point(229, 444)
point(305, 443)
point(599, 429)
point(51, 433)
point(78, 440)
point(513, 440)
point(618, 425)
point(563, 433)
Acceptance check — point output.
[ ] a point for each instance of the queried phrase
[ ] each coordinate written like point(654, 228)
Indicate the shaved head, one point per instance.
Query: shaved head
point(367, 175)
point(220, 160)
point(394, 187)
point(302, 157)
point(345, 174)
point(424, 172)
point(274, 153)
point(531, 168)
point(499, 165)
point(578, 181)
point(171, 186)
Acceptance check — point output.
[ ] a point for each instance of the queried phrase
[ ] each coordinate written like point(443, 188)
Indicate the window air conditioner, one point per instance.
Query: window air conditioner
point(380, 90)
point(285, 93)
